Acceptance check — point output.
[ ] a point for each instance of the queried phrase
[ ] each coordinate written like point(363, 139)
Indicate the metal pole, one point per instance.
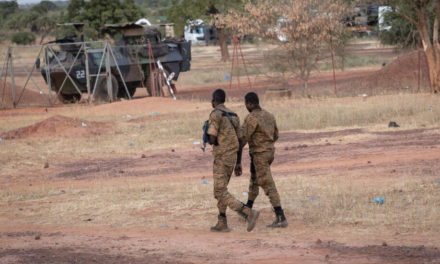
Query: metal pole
point(29, 76)
point(98, 73)
point(47, 70)
point(65, 71)
point(108, 72)
point(11, 69)
point(166, 78)
point(119, 71)
point(420, 70)
point(3, 67)
point(334, 72)
point(244, 64)
point(5, 64)
point(86, 54)
point(238, 63)
point(232, 66)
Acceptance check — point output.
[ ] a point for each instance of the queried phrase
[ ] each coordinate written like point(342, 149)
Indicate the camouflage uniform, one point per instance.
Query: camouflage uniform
point(225, 155)
point(260, 132)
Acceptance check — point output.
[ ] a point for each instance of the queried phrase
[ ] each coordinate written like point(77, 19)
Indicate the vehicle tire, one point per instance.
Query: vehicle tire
point(131, 90)
point(69, 98)
point(101, 94)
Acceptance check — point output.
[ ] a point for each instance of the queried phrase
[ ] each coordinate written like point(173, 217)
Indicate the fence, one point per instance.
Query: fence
point(50, 74)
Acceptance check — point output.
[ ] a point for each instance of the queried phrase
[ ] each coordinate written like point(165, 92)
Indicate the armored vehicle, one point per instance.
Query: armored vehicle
point(142, 58)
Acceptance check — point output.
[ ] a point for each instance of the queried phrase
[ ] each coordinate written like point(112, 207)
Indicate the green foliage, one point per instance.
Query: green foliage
point(153, 4)
point(97, 13)
point(182, 10)
point(44, 7)
point(7, 8)
point(402, 33)
point(351, 62)
point(23, 38)
point(40, 19)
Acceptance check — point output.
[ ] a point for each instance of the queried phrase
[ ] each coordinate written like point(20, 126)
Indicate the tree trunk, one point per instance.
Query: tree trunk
point(223, 44)
point(432, 50)
point(305, 84)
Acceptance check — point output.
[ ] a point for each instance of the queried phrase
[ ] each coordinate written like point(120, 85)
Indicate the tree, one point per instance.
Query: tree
point(211, 11)
point(38, 21)
point(44, 7)
point(424, 15)
point(401, 33)
point(303, 28)
point(97, 13)
point(7, 8)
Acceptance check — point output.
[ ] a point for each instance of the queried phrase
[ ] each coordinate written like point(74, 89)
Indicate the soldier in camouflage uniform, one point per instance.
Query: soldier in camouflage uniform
point(224, 134)
point(260, 132)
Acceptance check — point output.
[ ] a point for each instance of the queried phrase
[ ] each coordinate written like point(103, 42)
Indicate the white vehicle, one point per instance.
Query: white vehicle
point(195, 31)
point(381, 17)
point(198, 32)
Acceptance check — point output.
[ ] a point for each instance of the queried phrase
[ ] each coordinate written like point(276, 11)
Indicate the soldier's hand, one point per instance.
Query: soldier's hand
point(238, 170)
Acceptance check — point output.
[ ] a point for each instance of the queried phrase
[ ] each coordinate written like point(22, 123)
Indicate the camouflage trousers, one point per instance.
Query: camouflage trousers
point(223, 168)
point(262, 177)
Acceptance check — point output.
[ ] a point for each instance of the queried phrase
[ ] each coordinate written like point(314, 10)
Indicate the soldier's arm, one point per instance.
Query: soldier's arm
point(214, 125)
point(249, 127)
point(247, 131)
point(238, 168)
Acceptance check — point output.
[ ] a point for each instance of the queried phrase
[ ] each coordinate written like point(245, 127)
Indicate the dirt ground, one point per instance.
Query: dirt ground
point(374, 158)
point(174, 242)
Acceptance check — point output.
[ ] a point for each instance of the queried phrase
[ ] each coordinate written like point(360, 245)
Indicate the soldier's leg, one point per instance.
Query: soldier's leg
point(222, 173)
point(264, 177)
point(220, 181)
point(253, 187)
point(262, 163)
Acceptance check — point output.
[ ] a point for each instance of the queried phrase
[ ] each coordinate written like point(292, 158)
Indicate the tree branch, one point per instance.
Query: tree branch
point(400, 12)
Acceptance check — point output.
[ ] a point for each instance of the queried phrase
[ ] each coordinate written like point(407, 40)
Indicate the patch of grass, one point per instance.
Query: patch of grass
point(352, 61)
point(408, 110)
point(346, 200)
point(321, 201)
point(182, 129)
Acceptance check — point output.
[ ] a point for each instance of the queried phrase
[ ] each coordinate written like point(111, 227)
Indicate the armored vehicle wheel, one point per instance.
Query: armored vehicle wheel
point(102, 94)
point(69, 98)
point(131, 90)
point(155, 82)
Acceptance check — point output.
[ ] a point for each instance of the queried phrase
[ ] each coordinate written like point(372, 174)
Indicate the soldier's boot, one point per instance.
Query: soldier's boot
point(251, 216)
point(221, 226)
point(280, 220)
point(243, 215)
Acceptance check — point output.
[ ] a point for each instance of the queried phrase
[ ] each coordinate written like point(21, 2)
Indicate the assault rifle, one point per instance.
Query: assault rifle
point(205, 137)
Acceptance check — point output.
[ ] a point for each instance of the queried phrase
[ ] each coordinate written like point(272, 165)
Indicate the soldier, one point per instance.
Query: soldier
point(260, 132)
point(224, 134)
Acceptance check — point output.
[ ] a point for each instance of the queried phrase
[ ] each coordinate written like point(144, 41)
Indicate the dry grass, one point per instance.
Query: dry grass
point(340, 199)
point(180, 130)
point(323, 201)
point(408, 110)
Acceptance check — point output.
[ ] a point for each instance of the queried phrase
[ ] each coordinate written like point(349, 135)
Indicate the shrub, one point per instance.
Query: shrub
point(23, 38)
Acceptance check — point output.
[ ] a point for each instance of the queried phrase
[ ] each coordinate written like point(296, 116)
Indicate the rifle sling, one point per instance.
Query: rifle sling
point(228, 115)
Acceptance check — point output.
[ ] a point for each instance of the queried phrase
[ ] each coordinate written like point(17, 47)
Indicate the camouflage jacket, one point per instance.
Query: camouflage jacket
point(222, 128)
point(260, 131)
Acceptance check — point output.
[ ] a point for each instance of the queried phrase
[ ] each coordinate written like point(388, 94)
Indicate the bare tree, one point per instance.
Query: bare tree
point(302, 28)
